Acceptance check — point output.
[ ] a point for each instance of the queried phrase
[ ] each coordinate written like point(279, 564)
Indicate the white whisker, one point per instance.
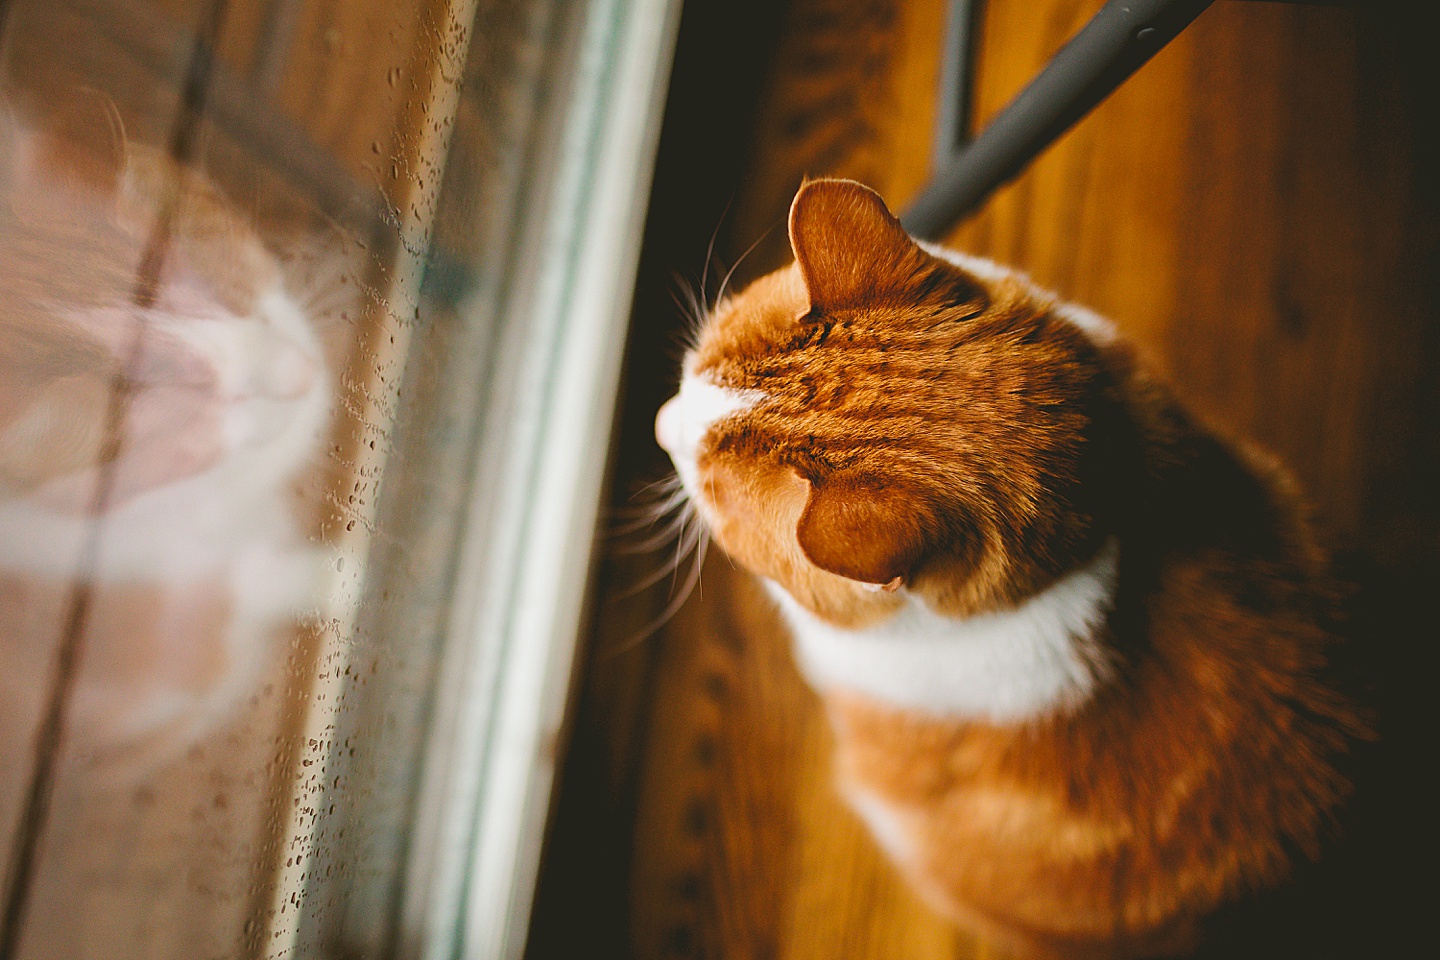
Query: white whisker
point(684, 542)
point(677, 601)
point(670, 481)
point(647, 516)
point(649, 580)
point(672, 530)
point(720, 294)
point(700, 552)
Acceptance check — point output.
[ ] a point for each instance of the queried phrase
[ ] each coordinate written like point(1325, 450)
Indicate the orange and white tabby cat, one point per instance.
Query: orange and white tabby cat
point(1071, 644)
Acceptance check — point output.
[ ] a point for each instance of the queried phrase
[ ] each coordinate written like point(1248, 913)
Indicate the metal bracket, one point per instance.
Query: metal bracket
point(1116, 42)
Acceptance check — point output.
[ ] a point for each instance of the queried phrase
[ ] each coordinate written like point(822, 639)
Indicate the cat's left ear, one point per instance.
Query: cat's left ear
point(863, 530)
point(852, 252)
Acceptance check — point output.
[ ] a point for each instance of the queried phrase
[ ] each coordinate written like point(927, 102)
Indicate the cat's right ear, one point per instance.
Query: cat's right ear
point(865, 531)
point(853, 252)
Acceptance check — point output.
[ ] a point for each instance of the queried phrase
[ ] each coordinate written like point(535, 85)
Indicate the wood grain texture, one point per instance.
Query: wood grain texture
point(1251, 208)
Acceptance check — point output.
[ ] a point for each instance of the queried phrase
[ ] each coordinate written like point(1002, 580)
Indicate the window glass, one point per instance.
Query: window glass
point(267, 268)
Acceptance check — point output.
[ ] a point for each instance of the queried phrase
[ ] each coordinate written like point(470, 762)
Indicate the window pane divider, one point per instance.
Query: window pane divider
point(526, 550)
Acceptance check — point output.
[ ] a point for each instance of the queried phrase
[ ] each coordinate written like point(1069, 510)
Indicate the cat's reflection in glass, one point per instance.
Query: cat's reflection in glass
point(152, 431)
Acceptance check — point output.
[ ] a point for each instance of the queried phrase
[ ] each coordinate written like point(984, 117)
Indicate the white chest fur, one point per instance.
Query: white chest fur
point(1005, 667)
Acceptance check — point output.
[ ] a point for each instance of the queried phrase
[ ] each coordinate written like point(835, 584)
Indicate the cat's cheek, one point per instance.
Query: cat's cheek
point(752, 510)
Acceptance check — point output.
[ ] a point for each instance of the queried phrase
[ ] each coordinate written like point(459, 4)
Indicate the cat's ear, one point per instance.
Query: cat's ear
point(864, 530)
point(852, 251)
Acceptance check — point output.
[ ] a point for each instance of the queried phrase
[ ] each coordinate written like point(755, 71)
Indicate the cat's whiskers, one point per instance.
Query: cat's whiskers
point(688, 529)
point(671, 530)
point(638, 522)
point(667, 511)
point(665, 500)
point(700, 550)
point(692, 539)
point(692, 580)
point(667, 569)
point(689, 539)
point(720, 294)
point(677, 600)
point(710, 251)
point(660, 498)
point(325, 285)
point(693, 311)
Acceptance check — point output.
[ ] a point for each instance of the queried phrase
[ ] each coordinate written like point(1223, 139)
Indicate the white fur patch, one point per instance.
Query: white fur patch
point(884, 820)
point(683, 422)
point(1100, 330)
point(1004, 667)
point(980, 267)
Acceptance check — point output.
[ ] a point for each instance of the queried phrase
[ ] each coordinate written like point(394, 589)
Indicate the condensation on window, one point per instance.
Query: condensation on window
point(246, 249)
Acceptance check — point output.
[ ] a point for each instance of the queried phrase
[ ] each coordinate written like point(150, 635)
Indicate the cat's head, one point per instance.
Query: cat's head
point(876, 418)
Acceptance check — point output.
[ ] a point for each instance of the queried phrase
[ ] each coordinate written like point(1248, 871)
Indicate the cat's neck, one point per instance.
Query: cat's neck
point(1042, 656)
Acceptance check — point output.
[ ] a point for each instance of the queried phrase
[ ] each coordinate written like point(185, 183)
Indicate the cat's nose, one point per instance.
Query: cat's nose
point(667, 424)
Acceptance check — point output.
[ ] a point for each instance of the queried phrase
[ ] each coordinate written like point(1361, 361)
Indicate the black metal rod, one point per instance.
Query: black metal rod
point(1116, 42)
point(952, 118)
